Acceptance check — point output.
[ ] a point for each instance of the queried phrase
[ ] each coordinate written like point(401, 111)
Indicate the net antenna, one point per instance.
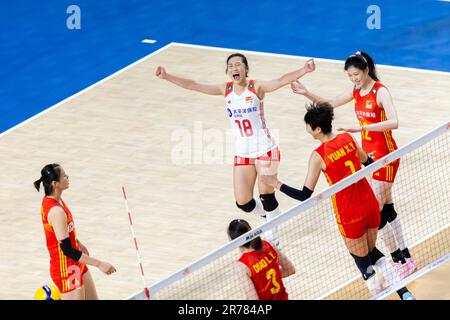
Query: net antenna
point(146, 291)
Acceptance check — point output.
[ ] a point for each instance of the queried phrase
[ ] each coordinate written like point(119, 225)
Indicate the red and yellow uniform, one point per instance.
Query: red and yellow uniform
point(265, 272)
point(368, 112)
point(356, 207)
point(66, 273)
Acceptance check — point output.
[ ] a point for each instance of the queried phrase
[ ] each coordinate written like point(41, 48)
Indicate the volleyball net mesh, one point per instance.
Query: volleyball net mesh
point(310, 237)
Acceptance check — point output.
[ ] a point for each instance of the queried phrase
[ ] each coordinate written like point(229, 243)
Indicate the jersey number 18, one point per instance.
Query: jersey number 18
point(245, 127)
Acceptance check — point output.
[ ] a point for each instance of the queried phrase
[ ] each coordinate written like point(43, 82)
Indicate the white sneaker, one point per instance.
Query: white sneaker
point(388, 272)
point(374, 285)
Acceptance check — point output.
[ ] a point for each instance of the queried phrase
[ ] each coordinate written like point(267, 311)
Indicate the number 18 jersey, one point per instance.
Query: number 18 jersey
point(246, 113)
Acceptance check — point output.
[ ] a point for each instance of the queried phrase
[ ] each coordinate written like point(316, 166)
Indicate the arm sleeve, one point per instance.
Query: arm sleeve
point(368, 161)
point(301, 195)
point(70, 251)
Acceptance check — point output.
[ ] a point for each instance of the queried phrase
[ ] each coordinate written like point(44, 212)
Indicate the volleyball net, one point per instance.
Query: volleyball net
point(310, 237)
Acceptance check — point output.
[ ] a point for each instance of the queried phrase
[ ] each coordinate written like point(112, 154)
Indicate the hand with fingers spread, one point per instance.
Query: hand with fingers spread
point(298, 87)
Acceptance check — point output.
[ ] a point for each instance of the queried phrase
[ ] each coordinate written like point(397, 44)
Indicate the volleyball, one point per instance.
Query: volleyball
point(47, 292)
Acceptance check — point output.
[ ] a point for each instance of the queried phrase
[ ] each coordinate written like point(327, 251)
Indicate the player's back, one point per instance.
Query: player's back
point(341, 158)
point(265, 272)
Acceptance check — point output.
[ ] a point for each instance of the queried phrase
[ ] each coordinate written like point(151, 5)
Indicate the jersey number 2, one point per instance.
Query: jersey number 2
point(272, 275)
point(246, 127)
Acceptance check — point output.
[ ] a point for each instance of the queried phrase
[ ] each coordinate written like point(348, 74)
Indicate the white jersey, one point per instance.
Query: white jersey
point(246, 112)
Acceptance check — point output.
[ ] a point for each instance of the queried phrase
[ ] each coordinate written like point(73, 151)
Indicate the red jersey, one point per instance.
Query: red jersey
point(354, 203)
point(368, 112)
point(265, 272)
point(61, 267)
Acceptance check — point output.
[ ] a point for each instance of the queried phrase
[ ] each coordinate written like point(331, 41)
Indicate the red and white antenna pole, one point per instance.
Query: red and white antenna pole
point(147, 292)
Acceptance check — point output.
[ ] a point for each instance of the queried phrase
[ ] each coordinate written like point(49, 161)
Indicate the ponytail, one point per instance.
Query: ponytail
point(37, 184)
point(50, 173)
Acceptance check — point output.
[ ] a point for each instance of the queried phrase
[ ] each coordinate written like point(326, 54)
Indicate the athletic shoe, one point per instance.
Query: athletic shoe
point(403, 269)
point(412, 264)
point(388, 272)
point(408, 296)
point(374, 285)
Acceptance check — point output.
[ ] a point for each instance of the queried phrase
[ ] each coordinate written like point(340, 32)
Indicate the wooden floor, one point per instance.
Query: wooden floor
point(132, 130)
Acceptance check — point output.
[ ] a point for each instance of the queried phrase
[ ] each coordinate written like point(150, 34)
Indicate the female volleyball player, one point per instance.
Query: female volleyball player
point(255, 149)
point(261, 266)
point(356, 207)
point(68, 256)
point(377, 117)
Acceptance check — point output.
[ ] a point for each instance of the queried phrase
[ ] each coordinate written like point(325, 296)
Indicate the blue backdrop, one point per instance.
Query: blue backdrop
point(43, 62)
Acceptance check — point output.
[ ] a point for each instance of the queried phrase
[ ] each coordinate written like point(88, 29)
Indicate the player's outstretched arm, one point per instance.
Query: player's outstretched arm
point(345, 97)
point(189, 84)
point(272, 85)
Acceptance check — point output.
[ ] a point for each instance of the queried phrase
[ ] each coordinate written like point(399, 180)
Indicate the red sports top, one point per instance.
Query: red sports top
point(58, 261)
point(368, 112)
point(265, 272)
point(341, 158)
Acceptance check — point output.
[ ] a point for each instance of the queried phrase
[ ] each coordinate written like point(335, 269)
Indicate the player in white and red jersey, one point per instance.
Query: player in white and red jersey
point(256, 151)
point(377, 118)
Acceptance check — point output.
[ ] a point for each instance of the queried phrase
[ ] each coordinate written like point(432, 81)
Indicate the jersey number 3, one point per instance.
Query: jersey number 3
point(245, 127)
point(272, 275)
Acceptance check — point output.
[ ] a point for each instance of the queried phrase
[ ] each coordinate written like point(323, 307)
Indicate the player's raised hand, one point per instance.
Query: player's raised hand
point(310, 66)
point(298, 87)
point(161, 72)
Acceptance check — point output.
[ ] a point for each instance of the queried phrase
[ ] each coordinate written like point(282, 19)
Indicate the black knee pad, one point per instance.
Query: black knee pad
point(269, 201)
point(383, 222)
point(375, 255)
point(248, 207)
point(388, 212)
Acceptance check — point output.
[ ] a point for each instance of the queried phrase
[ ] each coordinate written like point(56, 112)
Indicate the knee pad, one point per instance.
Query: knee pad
point(364, 265)
point(269, 201)
point(383, 222)
point(248, 207)
point(388, 212)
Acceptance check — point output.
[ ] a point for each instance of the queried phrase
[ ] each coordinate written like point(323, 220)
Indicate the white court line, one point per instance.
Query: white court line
point(334, 290)
point(279, 55)
point(207, 48)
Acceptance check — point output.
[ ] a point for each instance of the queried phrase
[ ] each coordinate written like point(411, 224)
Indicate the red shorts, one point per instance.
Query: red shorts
point(388, 172)
point(356, 230)
point(272, 155)
point(70, 279)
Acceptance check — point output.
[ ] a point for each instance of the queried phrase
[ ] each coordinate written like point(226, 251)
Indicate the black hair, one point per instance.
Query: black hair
point(320, 115)
point(244, 61)
point(361, 60)
point(50, 173)
point(237, 228)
